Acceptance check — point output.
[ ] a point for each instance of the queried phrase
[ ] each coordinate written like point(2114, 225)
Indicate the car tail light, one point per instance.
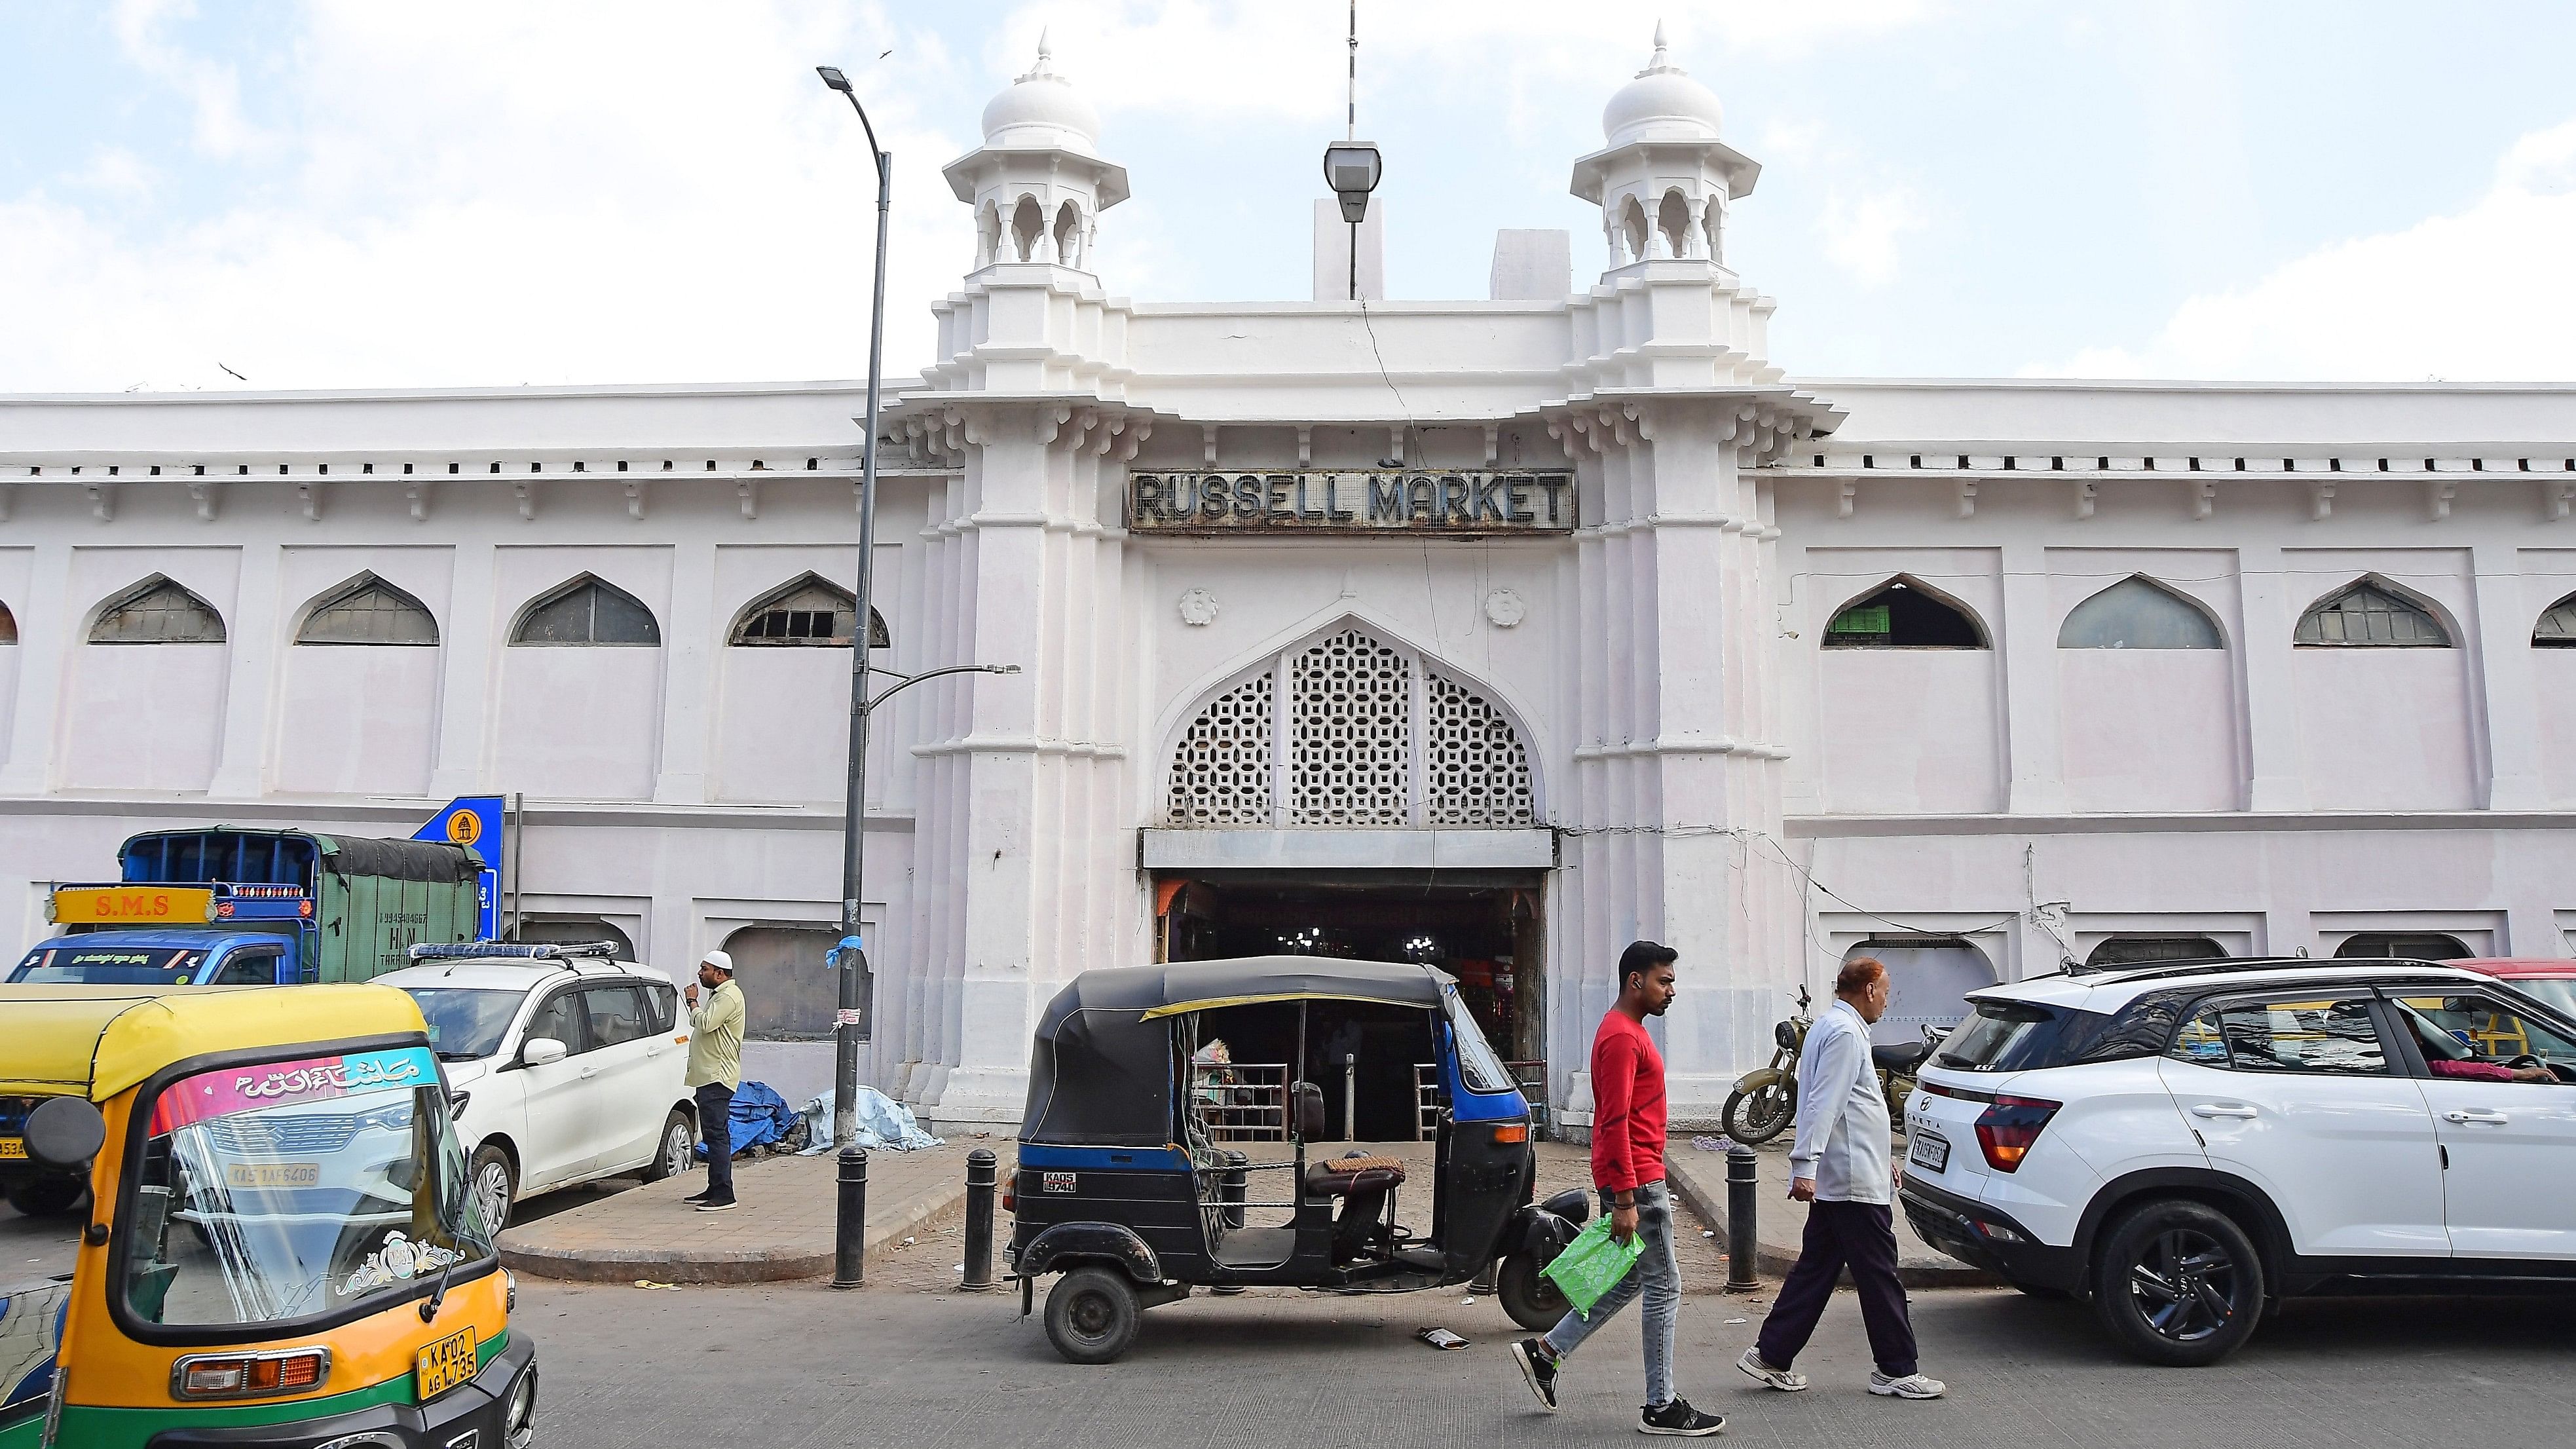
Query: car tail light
point(249, 1375)
point(1515, 1132)
point(2008, 1127)
point(1011, 1195)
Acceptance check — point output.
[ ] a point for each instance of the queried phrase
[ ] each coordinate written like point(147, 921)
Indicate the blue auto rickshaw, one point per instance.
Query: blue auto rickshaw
point(1121, 1190)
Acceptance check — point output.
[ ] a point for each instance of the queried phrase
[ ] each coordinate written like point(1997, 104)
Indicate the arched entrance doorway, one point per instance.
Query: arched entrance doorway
point(1929, 978)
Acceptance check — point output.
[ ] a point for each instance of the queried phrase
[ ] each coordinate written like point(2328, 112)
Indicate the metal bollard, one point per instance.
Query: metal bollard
point(979, 1221)
point(850, 1229)
point(1743, 1192)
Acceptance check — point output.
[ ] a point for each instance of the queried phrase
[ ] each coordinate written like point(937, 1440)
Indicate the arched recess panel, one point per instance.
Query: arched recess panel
point(1929, 978)
point(2383, 700)
point(9, 655)
point(2553, 679)
point(580, 712)
point(1349, 731)
point(2146, 704)
point(1908, 718)
point(782, 733)
point(150, 643)
point(358, 693)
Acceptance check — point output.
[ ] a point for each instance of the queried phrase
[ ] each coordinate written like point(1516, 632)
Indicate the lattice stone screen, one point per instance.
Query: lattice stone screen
point(1221, 773)
point(1374, 740)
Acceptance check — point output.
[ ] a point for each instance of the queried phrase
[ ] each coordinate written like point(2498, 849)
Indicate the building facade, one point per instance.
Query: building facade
point(1492, 632)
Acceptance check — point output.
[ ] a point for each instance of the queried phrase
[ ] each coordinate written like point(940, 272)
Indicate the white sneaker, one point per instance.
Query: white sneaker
point(1784, 1380)
point(1912, 1386)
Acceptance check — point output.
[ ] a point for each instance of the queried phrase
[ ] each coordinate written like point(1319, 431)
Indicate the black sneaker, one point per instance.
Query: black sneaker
point(717, 1205)
point(695, 1198)
point(1539, 1367)
point(1678, 1417)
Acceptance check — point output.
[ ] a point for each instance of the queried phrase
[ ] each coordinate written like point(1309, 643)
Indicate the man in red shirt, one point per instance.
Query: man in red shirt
point(1628, 1168)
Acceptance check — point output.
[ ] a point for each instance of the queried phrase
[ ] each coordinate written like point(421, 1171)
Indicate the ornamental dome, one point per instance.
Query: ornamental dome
point(1042, 109)
point(1661, 104)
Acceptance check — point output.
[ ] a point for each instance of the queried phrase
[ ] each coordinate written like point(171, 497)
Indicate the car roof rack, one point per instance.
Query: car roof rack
point(2211, 966)
point(551, 951)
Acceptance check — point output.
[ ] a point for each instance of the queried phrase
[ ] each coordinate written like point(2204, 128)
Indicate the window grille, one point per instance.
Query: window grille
point(1479, 772)
point(1221, 774)
point(158, 611)
point(2557, 628)
point(588, 611)
point(808, 613)
point(2412, 946)
point(1351, 717)
point(2138, 613)
point(2143, 950)
point(369, 611)
point(2366, 616)
point(1373, 739)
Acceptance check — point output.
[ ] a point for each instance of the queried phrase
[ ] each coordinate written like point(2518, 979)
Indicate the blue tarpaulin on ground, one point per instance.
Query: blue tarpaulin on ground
point(884, 1123)
point(760, 1116)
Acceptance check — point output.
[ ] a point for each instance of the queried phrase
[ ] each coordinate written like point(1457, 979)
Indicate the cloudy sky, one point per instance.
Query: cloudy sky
point(363, 193)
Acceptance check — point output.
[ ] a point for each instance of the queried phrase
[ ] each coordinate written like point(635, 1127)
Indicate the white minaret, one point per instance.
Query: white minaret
point(1665, 180)
point(1037, 183)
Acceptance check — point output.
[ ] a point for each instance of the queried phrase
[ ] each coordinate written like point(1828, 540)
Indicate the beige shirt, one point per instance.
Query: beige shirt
point(715, 1038)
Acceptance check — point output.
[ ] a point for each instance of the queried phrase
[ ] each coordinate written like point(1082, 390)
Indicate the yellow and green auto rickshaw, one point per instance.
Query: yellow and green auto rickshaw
point(279, 1250)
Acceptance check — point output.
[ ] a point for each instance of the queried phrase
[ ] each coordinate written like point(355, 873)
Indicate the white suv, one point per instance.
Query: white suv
point(564, 1064)
point(2189, 1143)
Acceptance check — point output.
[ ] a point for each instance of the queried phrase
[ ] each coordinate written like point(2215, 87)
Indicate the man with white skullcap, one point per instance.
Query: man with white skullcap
point(715, 1069)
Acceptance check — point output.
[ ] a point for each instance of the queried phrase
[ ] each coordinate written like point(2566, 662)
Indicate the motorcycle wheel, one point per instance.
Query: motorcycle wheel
point(1756, 1117)
point(1530, 1298)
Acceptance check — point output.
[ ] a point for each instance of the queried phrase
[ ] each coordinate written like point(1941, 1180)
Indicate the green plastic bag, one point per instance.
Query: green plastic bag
point(1592, 1265)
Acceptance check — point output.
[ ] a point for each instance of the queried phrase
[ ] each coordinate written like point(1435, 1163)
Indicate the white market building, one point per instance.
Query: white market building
point(1525, 626)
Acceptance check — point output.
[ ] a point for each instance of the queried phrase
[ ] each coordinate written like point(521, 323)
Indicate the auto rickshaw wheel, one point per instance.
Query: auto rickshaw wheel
point(45, 1197)
point(1092, 1315)
point(1756, 1117)
point(1530, 1297)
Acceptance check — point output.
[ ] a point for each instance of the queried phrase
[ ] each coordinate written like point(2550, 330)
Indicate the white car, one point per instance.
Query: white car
point(2186, 1144)
point(564, 1064)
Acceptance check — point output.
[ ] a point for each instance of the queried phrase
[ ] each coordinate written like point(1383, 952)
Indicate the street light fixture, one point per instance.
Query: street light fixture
point(1352, 170)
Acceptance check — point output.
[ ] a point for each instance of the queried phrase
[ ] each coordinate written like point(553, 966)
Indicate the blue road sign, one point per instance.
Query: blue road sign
point(474, 821)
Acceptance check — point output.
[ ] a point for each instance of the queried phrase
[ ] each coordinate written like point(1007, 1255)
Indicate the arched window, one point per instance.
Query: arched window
point(2557, 628)
point(1632, 225)
point(1027, 225)
point(367, 610)
point(2145, 950)
point(988, 235)
point(157, 611)
point(8, 626)
point(1713, 226)
point(1068, 233)
point(1349, 731)
point(587, 611)
point(2138, 613)
point(2412, 946)
point(806, 612)
point(2369, 615)
point(1904, 615)
point(1672, 218)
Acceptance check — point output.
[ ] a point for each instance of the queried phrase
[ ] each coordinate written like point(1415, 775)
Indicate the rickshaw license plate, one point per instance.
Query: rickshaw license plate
point(446, 1363)
point(273, 1174)
point(13, 1149)
point(1058, 1182)
point(1928, 1150)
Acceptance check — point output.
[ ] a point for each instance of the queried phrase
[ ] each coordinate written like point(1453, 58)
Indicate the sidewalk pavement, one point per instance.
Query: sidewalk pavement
point(1699, 1179)
point(783, 1229)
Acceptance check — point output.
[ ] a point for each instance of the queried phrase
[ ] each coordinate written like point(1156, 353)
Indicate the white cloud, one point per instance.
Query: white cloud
point(211, 88)
point(2484, 295)
point(1862, 234)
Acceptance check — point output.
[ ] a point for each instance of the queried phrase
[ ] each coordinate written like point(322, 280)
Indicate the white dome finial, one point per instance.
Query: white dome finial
point(1661, 103)
point(1045, 52)
point(1041, 108)
point(1660, 46)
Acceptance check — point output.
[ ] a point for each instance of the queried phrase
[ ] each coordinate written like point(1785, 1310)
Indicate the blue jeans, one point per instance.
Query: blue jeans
point(1657, 1274)
point(715, 1124)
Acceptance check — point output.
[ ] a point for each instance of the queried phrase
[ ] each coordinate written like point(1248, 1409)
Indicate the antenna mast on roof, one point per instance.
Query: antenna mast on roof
point(1351, 117)
point(1352, 168)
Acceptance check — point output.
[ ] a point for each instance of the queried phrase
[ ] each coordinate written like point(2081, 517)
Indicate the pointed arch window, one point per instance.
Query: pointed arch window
point(2368, 614)
point(1351, 732)
point(1028, 223)
point(157, 611)
point(8, 626)
point(367, 610)
point(806, 613)
point(2557, 627)
point(588, 611)
point(1904, 615)
point(2139, 613)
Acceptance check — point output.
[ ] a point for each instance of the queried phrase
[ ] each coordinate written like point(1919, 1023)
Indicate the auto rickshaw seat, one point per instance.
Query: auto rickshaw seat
point(1357, 1173)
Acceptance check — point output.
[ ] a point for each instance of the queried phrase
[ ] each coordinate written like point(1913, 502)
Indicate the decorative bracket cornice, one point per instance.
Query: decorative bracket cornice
point(2320, 501)
point(2438, 494)
point(2087, 492)
point(202, 494)
point(527, 493)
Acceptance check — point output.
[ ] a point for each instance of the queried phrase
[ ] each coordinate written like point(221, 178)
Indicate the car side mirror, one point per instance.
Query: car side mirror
point(65, 1133)
point(538, 1051)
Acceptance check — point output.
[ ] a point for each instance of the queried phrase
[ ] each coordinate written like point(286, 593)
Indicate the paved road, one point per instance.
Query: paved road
point(797, 1365)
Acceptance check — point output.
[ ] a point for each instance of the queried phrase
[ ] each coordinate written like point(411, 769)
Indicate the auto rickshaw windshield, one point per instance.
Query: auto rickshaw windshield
point(282, 1191)
point(1478, 1067)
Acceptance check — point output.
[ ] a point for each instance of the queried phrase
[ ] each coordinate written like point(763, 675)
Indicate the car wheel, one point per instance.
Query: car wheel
point(45, 1197)
point(678, 1150)
point(495, 1185)
point(1092, 1315)
point(1530, 1297)
point(2178, 1282)
point(1756, 1117)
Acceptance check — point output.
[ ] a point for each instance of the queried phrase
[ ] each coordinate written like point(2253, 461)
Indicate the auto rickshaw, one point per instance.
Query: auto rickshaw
point(1120, 1189)
point(280, 1248)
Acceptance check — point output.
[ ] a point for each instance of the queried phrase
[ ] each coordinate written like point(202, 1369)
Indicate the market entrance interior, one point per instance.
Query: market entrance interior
point(1483, 930)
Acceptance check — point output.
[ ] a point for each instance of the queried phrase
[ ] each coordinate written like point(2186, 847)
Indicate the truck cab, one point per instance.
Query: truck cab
point(161, 958)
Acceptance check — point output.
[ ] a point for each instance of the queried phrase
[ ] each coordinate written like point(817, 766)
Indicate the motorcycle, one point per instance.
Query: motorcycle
point(1765, 1100)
